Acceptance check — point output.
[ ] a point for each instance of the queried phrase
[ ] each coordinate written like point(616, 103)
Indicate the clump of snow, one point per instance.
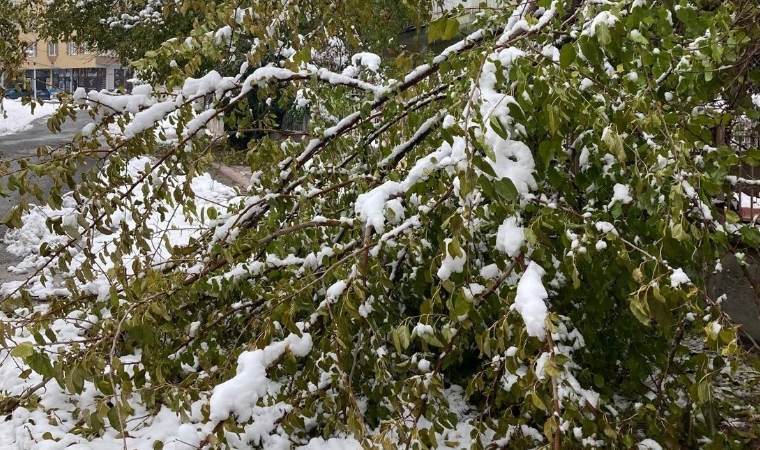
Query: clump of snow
point(648, 444)
point(678, 278)
point(335, 291)
point(422, 329)
point(369, 60)
point(149, 117)
point(605, 227)
point(489, 272)
point(604, 17)
point(210, 83)
point(451, 263)
point(514, 160)
point(240, 394)
point(747, 201)
point(332, 444)
point(530, 301)
point(621, 193)
point(510, 237)
point(370, 206)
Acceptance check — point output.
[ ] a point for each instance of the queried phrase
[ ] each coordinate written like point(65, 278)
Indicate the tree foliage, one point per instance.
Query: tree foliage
point(503, 246)
point(130, 29)
point(14, 19)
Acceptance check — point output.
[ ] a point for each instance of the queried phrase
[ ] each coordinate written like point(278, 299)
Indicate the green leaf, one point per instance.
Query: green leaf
point(750, 236)
point(506, 189)
point(401, 338)
point(552, 118)
point(678, 233)
point(614, 143)
point(461, 309)
point(498, 127)
point(546, 150)
point(732, 217)
point(23, 350)
point(638, 37)
point(437, 29)
point(40, 363)
point(567, 56)
point(639, 309)
point(603, 34)
point(590, 49)
point(451, 30)
point(537, 402)
point(12, 219)
point(484, 167)
point(113, 418)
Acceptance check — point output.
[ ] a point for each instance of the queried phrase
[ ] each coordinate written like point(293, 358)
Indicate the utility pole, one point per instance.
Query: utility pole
point(34, 78)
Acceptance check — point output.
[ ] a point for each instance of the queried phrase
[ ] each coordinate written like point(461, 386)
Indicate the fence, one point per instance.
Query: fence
point(743, 135)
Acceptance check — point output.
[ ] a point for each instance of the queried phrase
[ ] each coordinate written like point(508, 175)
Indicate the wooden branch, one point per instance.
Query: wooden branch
point(301, 226)
point(555, 394)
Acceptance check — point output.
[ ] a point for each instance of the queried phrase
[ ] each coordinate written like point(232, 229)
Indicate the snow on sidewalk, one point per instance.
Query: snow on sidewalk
point(19, 117)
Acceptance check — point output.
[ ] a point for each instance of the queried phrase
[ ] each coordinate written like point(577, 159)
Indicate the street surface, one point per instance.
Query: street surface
point(24, 145)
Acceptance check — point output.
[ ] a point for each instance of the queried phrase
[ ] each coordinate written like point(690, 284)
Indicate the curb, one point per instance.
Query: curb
point(234, 175)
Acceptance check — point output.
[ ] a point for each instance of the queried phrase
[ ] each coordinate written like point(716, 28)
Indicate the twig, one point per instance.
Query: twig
point(555, 394)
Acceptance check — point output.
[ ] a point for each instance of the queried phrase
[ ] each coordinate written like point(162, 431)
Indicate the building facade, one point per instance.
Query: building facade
point(67, 66)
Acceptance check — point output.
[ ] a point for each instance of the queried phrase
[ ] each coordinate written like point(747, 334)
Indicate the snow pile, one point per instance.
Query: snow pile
point(19, 117)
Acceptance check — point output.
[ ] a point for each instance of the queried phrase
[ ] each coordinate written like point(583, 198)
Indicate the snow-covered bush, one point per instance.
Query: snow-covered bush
point(501, 246)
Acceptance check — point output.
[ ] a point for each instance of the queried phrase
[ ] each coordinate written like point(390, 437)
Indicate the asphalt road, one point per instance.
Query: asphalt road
point(25, 145)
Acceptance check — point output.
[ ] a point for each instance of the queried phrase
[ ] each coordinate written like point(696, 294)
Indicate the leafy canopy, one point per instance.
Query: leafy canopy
point(502, 246)
point(130, 29)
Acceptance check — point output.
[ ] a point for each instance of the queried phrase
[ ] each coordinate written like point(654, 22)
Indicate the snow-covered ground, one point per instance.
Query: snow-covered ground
point(28, 428)
point(176, 228)
point(19, 117)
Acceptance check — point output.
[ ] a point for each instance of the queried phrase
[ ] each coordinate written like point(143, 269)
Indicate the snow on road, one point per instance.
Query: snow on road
point(19, 117)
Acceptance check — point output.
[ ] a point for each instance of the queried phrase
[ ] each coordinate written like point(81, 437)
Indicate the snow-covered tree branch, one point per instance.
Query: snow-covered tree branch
point(501, 243)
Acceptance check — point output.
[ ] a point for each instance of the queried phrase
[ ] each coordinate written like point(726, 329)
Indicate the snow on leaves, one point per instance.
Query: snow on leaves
point(386, 280)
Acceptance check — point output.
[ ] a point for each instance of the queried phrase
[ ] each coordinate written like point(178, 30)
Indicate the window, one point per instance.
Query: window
point(85, 48)
point(52, 49)
point(72, 48)
point(31, 49)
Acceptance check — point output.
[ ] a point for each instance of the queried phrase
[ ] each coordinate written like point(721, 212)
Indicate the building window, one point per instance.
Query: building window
point(31, 50)
point(85, 48)
point(72, 48)
point(52, 49)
